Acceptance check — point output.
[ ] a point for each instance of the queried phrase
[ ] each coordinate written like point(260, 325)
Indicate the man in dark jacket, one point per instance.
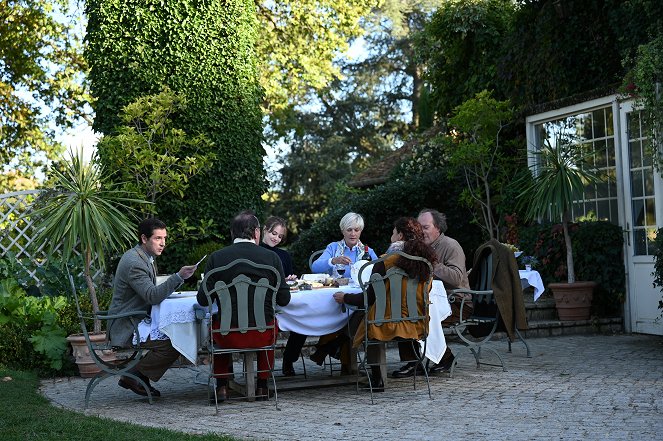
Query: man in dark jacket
point(245, 232)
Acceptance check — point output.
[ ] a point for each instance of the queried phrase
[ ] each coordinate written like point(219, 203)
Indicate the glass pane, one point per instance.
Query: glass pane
point(646, 153)
point(613, 212)
point(600, 156)
point(649, 182)
point(636, 157)
point(602, 190)
point(603, 210)
point(612, 188)
point(633, 125)
point(584, 125)
point(610, 147)
point(609, 129)
point(639, 243)
point(636, 184)
point(598, 119)
point(590, 192)
point(650, 209)
point(638, 212)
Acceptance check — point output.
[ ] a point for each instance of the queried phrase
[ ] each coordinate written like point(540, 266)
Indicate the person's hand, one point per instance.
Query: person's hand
point(187, 271)
point(339, 297)
point(291, 277)
point(341, 260)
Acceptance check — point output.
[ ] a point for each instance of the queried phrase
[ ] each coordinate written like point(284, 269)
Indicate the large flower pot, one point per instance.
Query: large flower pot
point(86, 366)
point(573, 300)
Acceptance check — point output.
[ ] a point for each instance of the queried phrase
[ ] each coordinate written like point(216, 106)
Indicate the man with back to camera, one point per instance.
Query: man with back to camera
point(450, 269)
point(135, 289)
point(245, 233)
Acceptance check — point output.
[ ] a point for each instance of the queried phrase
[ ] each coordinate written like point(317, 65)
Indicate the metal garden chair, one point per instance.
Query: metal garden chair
point(126, 358)
point(313, 258)
point(237, 301)
point(395, 302)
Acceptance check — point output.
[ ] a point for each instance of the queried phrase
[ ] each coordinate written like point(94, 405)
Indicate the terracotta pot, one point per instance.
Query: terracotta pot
point(573, 300)
point(86, 365)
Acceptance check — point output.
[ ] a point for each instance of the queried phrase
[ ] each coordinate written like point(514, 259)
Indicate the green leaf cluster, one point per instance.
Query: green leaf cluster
point(30, 335)
point(41, 84)
point(149, 155)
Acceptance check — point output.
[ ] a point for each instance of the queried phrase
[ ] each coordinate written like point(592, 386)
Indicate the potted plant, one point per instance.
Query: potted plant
point(558, 181)
point(84, 212)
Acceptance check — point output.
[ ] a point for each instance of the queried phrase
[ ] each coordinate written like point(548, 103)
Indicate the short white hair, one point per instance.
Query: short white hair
point(351, 220)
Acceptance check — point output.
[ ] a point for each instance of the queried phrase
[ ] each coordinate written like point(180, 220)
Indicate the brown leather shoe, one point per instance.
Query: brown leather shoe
point(319, 356)
point(263, 394)
point(133, 385)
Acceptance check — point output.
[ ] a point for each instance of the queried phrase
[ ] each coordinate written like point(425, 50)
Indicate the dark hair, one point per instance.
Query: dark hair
point(244, 225)
point(416, 269)
point(147, 227)
point(439, 219)
point(275, 221)
point(409, 228)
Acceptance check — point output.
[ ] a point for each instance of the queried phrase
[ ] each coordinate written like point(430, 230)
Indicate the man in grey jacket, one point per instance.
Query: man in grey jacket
point(135, 289)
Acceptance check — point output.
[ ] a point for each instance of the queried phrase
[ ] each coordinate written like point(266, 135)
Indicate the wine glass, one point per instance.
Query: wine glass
point(340, 269)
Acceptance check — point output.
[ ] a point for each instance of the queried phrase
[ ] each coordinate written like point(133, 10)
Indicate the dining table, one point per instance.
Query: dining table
point(309, 312)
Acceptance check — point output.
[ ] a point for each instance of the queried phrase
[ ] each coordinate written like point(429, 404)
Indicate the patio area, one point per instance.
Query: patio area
point(598, 387)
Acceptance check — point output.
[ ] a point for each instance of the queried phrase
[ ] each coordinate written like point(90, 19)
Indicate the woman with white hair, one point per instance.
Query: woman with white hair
point(337, 255)
point(342, 254)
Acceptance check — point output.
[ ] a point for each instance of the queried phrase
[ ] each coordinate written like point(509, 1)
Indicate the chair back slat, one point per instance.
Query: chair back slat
point(380, 290)
point(392, 294)
point(240, 291)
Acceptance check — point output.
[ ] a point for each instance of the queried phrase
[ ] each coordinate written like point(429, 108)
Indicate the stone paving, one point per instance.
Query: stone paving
point(601, 387)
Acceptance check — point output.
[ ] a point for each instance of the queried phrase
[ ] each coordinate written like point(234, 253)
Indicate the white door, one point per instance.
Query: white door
point(643, 215)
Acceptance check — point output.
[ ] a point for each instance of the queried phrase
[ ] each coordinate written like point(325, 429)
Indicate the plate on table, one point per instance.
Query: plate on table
point(182, 294)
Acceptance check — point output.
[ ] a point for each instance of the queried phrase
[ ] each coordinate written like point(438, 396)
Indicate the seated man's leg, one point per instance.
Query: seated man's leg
point(160, 356)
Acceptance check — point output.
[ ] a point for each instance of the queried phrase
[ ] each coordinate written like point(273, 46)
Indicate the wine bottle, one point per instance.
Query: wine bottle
point(366, 255)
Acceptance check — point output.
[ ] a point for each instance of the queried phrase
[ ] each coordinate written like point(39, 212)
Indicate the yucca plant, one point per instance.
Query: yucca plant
point(559, 179)
point(85, 211)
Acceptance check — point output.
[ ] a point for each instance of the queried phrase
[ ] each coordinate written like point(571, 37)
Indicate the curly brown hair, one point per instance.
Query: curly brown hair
point(414, 245)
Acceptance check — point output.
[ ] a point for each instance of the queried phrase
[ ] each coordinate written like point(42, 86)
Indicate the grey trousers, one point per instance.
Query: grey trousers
point(159, 358)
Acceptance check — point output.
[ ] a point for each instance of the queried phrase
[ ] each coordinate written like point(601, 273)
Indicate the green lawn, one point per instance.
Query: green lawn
point(26, 415)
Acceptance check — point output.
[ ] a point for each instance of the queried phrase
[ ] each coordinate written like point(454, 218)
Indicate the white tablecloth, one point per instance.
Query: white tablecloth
point(314, 312)
point(175, 318)
point(439, 309)
point(532, 278)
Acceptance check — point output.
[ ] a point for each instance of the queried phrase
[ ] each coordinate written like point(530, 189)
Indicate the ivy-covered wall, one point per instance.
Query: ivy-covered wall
point(204, 50)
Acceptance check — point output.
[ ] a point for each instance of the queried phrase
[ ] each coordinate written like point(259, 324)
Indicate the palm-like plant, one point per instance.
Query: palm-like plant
point(558, 181)
point(85, 211)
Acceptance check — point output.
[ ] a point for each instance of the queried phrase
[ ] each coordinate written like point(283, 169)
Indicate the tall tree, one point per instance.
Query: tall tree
point(41, 84)
point(299, 43)
point(353, 123)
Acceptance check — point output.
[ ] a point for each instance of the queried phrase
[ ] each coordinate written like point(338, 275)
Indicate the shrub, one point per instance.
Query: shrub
point(598, 249)
point(30, 335)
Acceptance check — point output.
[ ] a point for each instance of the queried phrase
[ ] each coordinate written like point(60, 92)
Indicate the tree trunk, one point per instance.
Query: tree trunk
point(571, 275)
point(91, 290)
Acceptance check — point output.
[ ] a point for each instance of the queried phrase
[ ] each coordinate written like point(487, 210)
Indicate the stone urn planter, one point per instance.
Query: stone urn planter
point(573, 300)
point(86, 365)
